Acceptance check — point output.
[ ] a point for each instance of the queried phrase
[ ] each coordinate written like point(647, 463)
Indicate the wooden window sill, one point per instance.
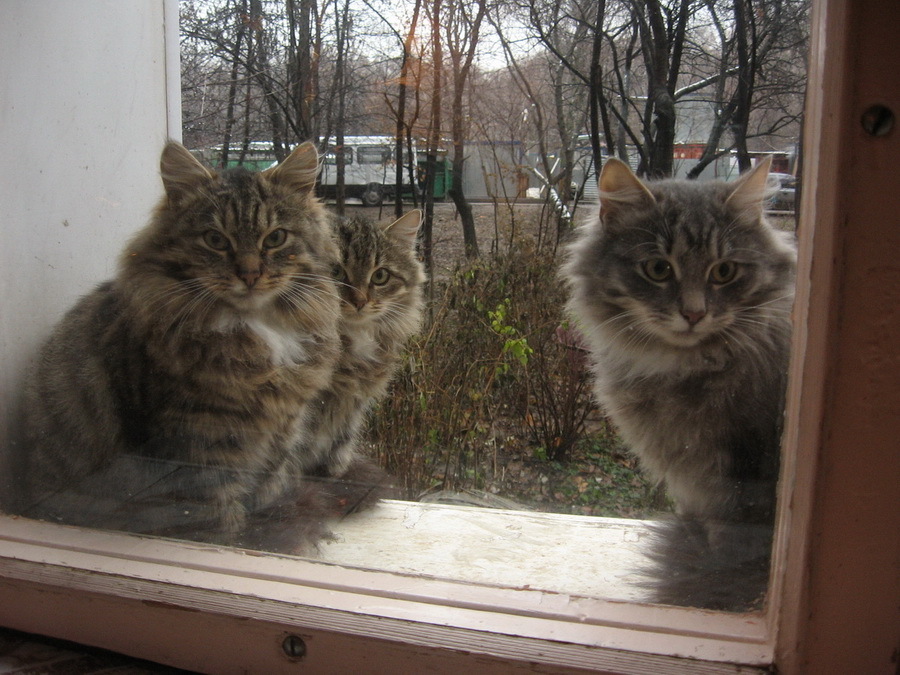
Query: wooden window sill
point(514, 586)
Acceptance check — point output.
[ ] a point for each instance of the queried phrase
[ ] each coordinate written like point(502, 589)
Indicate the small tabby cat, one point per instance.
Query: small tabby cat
point(684, 293)
point(173, 399)
point(380, 285)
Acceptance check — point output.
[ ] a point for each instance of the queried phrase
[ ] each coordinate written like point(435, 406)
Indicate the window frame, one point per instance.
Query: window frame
point(208, 609)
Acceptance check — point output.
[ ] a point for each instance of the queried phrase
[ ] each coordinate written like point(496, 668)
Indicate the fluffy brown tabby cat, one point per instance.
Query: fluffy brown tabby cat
point(684, 293)
point(172, 399)
point(380, 285)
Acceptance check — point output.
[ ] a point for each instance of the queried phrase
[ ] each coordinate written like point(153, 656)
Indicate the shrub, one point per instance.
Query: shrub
point(494, 394)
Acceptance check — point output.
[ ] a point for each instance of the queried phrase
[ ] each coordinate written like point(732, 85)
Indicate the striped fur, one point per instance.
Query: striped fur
point(172, 399)
point(380, 286)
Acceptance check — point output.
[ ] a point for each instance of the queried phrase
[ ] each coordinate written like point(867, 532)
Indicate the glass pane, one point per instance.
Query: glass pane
point(261, 371)
point(374, 154)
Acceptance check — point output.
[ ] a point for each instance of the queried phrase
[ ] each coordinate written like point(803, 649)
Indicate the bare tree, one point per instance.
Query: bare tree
point(619, 73)
point(462, 33)
point(761, 66)
point(404, 129)
point(339, 86)
point(555, 88)
point(405, 159)
point(663, 29)
point(301, 78)
point(434, 138)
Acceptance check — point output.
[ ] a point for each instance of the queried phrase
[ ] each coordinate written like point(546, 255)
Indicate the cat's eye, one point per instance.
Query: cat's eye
point(723, 272)
point(216, 240)
point(275, 238)
point(380, 276)
point(339, 273)
point(657, 269)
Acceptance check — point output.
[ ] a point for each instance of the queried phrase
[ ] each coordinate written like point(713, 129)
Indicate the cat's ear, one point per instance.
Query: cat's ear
point(405, 228)
point(298, 170)
point(182, 175)
point(751, 191)
point(621, 189)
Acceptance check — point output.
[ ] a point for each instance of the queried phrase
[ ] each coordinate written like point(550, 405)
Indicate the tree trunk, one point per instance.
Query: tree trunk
point(342, 26)
point(241, 21)
point(434, 139)
point(743, 22)
point(401, 115)
point(599, 112)
point(466, 217)
point(662, 56)
point(300, 77)
point(462, 41)
point(262, 73)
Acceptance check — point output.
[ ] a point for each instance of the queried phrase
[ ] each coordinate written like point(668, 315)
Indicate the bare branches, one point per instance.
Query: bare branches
point(634, 78)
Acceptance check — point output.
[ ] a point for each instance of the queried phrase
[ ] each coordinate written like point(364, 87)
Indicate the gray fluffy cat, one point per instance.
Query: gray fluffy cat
point(379, 282)
point(684, 293)
point(175, 399)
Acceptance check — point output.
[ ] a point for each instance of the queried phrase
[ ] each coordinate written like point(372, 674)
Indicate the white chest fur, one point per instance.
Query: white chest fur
point(363, 345)
point(286, 347)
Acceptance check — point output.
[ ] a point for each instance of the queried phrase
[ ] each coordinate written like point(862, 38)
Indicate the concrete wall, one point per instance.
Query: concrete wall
point(88, 95)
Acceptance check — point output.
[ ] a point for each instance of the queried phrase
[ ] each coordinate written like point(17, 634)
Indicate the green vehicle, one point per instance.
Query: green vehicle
point(259, 155)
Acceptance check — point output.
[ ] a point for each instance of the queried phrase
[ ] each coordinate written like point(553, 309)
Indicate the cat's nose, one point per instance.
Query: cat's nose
point(693, 317)
point(359, 300)
point(249, 275)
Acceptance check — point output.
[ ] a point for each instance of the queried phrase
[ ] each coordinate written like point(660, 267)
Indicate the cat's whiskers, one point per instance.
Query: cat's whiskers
point(305, 304)
point(633, 321)
point(760, 329)
point(651, 247)
point(597, 331)
point(653, 235)
point(314, 284)
point(772, 301)
point(394, 318)
point(205, 299)
point(189, 293)
point(744, 346)
point(170, 292)
point(640, 335)
point(309, 300)
point(730, 225)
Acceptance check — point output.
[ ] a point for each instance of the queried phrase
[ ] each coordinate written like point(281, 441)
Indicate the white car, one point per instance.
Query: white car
point(783, 199)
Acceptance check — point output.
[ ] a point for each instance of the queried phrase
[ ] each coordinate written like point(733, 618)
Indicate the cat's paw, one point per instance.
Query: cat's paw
point(294, 524)
point(358, 488)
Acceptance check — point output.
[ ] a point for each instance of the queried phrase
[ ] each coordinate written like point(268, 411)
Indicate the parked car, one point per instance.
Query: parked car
point(784, 197)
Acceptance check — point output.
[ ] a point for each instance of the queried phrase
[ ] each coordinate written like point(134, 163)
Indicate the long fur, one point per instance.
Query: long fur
point(174, 399)
point(380, 286)
point(691, 371)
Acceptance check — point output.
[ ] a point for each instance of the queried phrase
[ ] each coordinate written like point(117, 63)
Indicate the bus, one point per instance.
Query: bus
point(258, 156)
point(369, 166)
point(370, 169)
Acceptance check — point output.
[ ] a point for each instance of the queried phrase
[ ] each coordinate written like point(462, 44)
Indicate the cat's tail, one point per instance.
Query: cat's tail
point(711, 565)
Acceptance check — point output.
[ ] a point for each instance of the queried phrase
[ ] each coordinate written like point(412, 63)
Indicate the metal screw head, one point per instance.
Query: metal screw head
point(294, 646)
point(877, 120)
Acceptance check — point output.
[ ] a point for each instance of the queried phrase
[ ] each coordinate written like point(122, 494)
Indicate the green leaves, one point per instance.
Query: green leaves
point(515, 345)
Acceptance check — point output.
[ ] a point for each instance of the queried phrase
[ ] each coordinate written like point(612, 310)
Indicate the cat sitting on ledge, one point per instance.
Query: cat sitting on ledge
point(188, 396)
point(684, 293)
